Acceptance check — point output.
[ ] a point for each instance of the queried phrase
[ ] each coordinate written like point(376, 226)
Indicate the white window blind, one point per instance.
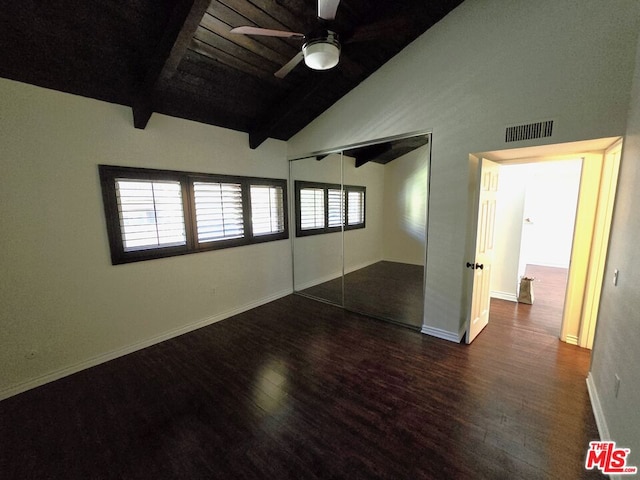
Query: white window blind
point(151, 214)
point(218, 211)
point(267, 209)
point(311, 208)
point(355, 215)
point(336, 207)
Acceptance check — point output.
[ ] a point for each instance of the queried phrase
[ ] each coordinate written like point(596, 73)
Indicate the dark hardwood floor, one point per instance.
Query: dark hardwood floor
point(549, 288)
point(387, 290)
point(298, 389)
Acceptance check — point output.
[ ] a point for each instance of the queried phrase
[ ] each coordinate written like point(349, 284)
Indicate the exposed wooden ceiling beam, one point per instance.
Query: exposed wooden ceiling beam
point(367, 154)
point(182, 24)
point(386, 152)
point(277, 115)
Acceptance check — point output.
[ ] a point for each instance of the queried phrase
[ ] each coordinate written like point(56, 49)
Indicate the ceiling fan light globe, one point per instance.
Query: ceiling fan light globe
point(321, 54)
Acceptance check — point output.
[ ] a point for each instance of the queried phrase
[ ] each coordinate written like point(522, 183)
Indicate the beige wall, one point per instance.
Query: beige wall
point(551, 200)
point(364, 247)
point(405, 207)
point(487, 65)
point(60, 296)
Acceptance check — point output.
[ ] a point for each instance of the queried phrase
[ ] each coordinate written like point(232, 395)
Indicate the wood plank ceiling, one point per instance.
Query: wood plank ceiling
point(178, 57)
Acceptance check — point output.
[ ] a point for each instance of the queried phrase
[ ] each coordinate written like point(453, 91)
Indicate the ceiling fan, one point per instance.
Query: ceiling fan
point(321, 49)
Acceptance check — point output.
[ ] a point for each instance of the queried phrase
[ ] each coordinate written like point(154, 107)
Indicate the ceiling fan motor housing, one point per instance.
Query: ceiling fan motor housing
point(322, 53)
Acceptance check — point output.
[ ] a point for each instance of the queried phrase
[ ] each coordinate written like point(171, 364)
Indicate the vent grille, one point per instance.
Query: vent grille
point(529, 131)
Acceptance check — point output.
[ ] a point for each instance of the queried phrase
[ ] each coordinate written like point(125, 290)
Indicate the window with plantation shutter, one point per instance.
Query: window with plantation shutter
point(335, 204)
point(355, 202)
point(150, 214)
point(323, 208)
point(267, 209)
point(311, 208)
point(160, 213)
point(218, 211)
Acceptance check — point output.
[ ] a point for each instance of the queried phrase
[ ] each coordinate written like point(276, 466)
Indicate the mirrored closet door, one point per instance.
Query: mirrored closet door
point(316, 187)
point(365, 247)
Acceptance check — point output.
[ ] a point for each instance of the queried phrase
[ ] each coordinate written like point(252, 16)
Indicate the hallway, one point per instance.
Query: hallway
point(549, 288)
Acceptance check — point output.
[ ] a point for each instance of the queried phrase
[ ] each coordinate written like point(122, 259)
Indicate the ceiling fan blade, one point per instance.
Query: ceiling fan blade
point(290, 65)
point(327, 9)
point(266, 32)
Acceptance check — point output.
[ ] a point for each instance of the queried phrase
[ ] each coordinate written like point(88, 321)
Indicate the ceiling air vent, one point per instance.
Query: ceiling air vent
point(529, 131)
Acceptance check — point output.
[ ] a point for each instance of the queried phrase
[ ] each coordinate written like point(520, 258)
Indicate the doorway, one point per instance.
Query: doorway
point(535, 218)
point(600, 160)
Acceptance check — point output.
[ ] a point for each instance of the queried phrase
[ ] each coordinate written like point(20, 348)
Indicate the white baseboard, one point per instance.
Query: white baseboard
point(443, 334)
point(571, 339)
point(596, 406)
point(601, 423)
point(105, 357)
point(511, 297)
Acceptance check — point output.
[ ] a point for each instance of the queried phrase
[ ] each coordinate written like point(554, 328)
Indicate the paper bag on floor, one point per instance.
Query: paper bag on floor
point(525, 295)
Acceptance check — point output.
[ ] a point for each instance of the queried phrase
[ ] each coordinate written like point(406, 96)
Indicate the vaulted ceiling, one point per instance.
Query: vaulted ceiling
point(179, 58)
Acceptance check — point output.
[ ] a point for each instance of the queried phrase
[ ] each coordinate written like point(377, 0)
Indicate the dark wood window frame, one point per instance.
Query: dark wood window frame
point(109, 174)
point(301, 184)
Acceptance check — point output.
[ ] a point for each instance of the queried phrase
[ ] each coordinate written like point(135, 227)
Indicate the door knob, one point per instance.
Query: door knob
point(480, 266)
point(470, 265)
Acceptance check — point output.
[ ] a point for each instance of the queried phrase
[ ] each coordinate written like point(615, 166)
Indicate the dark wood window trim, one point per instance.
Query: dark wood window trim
point(300, 185)
point(110, 174)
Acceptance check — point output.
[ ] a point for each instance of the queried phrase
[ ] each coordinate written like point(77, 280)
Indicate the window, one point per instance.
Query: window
point(311, 208)
point(159, 213)
point(150, 214)
point(322, 207)
point(219, 212)
point(355, 202)
point(335, 205)
point(267, 209)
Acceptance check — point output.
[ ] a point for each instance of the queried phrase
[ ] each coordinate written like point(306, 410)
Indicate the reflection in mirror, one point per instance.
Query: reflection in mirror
point(375, 263)
point(384, 264)
point(317, 239)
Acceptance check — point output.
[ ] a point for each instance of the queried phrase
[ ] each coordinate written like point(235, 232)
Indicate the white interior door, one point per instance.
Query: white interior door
point(480, 298)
